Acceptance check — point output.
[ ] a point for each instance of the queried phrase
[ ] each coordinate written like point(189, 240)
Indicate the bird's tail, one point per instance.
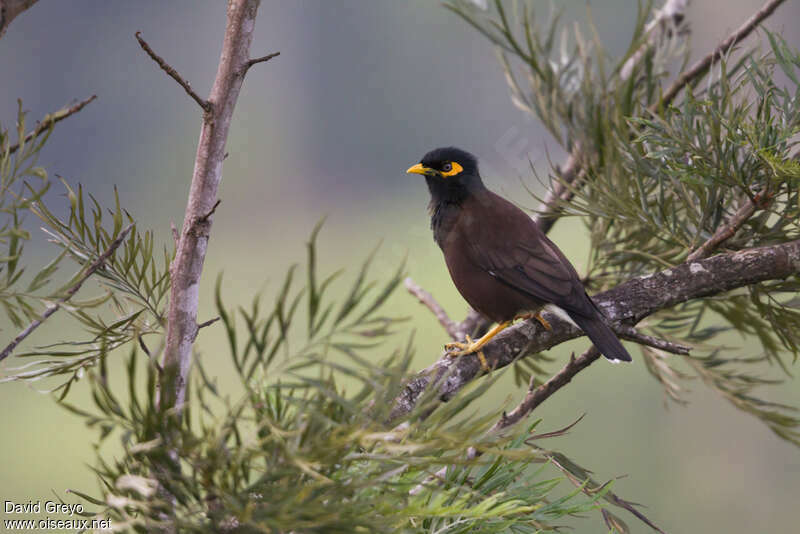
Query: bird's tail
point(603, 337)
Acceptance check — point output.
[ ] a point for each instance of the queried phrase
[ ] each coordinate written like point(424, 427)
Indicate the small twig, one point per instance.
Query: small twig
point(631, 334)
point(209, 213)
point(96, 264)
point(728, 230)
point(51, 119)
point(203, 325)
point(205, 104)
point(450, 326)
point(701, 66)
point(207, 323)
point(144, 347)
point(538, 395)
point(175, 235)
point(261, 59)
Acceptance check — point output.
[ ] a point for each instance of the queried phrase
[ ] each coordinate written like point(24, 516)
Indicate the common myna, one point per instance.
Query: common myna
point(499, 260)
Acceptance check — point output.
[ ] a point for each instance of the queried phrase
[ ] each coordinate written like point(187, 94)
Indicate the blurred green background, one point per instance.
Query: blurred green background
point(361, 90)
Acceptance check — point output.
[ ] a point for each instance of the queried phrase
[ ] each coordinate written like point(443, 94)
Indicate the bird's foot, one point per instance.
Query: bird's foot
point(537, 316)
point(458, 348)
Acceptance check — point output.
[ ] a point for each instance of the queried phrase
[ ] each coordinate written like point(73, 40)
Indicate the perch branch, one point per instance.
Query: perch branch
point(627, 303)
point(52, 119)
point(54, 307)
point(166, 67)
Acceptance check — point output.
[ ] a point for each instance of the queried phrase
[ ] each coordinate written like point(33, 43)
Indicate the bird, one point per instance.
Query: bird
point(503, 265)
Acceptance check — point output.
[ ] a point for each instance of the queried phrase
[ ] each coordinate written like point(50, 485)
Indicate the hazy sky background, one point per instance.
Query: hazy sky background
point(361, 90)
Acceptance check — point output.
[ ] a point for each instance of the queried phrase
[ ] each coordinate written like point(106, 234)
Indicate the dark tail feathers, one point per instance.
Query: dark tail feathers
point(603, 337)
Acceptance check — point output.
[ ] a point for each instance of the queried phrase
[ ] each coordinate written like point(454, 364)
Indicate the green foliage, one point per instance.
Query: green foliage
point(135, 278)
point(306, 444)
point(21, 184)
point(660, 179)
point(307, 447)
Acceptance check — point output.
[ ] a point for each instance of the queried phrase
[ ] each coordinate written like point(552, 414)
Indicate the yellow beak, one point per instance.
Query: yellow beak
point(418, 169)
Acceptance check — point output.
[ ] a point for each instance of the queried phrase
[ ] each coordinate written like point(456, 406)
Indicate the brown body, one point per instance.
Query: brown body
point(501, 262)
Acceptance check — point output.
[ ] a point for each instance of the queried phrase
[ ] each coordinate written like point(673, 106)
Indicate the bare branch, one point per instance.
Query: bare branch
point(627, 303)
point(187, 267)
point(450, 326)
point(261, 59)
point(631, 334)
point(51, 309)
point(10, 9)
point(205, 324)
point(701, 66)
point(538, 395)
point(51, 119)
point(205, 104)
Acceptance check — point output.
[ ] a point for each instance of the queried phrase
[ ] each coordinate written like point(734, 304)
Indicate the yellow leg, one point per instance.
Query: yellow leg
point(537, 316)
point(475, 346)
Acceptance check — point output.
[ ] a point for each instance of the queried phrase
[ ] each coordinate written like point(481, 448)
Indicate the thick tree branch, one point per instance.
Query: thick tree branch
point(187, 266)
point(170, 70)
point(52, 119)
point(627, 303)
point(54, 307)
point(10, 9)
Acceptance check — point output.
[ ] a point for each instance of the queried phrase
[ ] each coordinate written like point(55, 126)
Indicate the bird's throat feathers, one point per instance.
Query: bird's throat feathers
point(447, 198)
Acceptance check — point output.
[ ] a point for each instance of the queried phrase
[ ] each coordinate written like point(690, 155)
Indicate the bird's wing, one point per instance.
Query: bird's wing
point(532, 264)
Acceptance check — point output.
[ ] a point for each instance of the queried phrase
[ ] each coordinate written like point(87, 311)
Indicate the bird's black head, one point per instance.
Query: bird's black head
point(451, 173)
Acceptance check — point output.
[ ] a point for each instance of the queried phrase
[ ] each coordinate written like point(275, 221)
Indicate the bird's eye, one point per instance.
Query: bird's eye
point(447, 167)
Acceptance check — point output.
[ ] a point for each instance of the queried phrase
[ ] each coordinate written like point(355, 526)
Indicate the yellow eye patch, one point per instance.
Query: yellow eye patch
point(455, 168)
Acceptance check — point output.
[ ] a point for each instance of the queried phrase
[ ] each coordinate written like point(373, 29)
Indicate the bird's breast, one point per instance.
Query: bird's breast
point(482, 290)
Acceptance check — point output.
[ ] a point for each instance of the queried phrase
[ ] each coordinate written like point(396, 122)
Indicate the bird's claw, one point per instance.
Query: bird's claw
point(462, 347)
point(457, 348)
